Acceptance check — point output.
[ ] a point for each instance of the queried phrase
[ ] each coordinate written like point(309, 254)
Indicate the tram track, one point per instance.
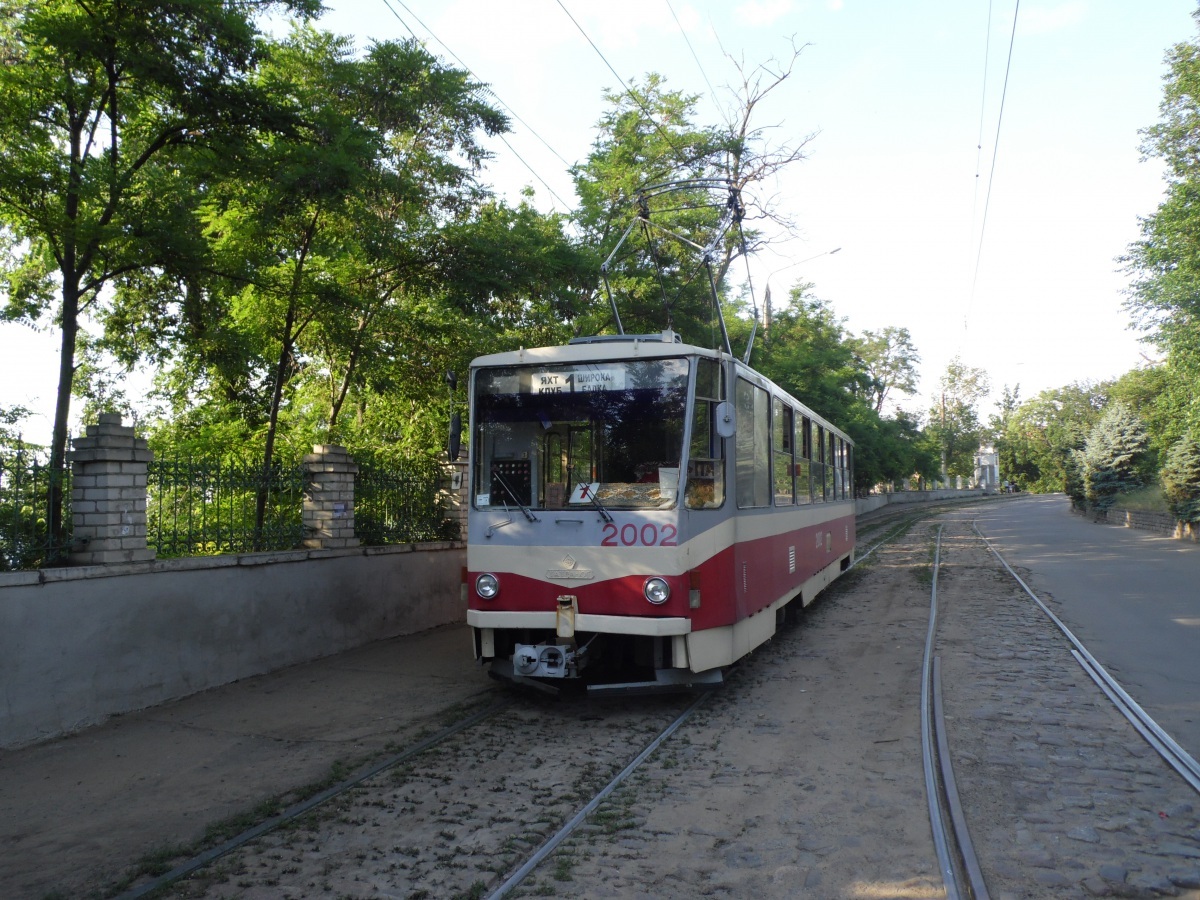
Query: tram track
point(1092, 813)
point(957, 862)
point(481, 802)
point(294, 811)
point(1166, 746)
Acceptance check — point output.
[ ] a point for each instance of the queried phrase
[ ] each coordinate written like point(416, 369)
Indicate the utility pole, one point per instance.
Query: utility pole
point(945, 477)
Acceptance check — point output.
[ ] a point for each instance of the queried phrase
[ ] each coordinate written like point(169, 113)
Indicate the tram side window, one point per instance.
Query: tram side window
point(843, 483)
point(782, 441)
point(753, 445)
point(803, 444)
point(830, 462)
point(839, 462)
point(818, 463)
point(706, 456)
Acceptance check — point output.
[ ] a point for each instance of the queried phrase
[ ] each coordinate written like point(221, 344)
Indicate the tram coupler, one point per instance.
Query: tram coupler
point(548, 660)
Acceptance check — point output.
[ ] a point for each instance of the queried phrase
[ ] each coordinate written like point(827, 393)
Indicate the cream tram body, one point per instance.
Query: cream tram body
point(642, 510)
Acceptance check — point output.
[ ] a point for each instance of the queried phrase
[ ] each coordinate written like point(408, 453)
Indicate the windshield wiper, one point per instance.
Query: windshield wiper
point(508, 487)
point(586, 494)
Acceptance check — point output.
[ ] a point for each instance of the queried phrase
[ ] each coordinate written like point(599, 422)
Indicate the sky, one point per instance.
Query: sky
point(978, 182)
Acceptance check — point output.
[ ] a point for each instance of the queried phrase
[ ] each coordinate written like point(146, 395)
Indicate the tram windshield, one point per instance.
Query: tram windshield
point(570, 436)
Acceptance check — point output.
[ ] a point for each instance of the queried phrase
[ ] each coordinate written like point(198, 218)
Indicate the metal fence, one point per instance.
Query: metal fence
point(25, 541)
point(206, 507)
point(400, 502)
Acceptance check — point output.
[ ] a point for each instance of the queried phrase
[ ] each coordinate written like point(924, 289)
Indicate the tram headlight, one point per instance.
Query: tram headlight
point(487, 585)
point(656, 590)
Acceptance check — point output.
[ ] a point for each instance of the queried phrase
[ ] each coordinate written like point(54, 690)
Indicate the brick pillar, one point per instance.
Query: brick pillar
point(329, 498)
point(456, 494)
point(108, 494)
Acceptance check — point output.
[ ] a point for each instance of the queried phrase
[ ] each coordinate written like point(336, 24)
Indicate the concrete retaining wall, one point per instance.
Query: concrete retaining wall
point(80, 644)
point(1159, 523)
point(878, 501)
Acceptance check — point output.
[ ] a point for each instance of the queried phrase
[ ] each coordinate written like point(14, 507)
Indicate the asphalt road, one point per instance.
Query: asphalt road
point(1131, 597)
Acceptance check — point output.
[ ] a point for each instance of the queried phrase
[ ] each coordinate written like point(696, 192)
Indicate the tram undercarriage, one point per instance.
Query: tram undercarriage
point(591, 663)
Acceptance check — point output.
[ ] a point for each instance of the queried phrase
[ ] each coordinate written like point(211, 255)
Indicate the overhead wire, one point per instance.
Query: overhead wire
point(712, 92)
point(995, 152)
point(987, 52)
point(566, 206)
point(637, 100)
point(407, 27)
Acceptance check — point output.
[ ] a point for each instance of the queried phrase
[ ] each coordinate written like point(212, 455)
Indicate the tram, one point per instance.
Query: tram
point(642, 511)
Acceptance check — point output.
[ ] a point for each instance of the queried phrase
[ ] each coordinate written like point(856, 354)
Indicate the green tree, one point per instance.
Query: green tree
point(888, 451)
point(954, 418)
point(807, 351)
point(1164, 297)
point(649, 137)
point(1114, 456)
point(1011, 445)
point(890, 360)
point(1181, 479)
point(1037, 441)
point(97, 100)
point(356, 259)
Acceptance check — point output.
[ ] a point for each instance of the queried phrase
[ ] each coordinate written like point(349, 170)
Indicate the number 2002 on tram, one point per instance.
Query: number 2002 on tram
point(642, 510)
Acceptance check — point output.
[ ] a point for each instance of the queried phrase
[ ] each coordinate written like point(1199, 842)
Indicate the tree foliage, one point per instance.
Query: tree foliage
point(1180, 478)
point(1113, 459)
point(1164, 263)
point(807, 351)
point(890, 360)
point(98, 102)
point(954, 418)
point(297, 238)
point(358, 258)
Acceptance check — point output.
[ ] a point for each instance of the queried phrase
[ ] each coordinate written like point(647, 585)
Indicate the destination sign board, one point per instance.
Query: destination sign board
point(578, 382)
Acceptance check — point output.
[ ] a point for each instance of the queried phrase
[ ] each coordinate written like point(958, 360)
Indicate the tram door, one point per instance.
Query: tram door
point(567, 460)
point(581, 463)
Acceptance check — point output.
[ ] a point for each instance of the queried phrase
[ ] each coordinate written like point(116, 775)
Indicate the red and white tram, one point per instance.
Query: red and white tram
point(642, 510)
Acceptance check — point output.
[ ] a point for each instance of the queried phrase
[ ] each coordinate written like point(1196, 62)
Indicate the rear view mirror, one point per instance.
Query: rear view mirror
point(455, 443)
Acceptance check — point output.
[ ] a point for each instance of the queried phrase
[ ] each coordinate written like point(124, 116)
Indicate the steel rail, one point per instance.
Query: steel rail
point(958, 819)
point(932, 794)
point(1174, 755)
point(580, 817)
point(296, 810)
point(905, 517)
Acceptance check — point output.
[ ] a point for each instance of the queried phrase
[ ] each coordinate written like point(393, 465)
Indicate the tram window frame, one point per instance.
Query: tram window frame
point(839, 487)
point(705, 488)
point(782, 455)
point(818, 462)
point(803, 475)
point(752, 445)
point(830, 463)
